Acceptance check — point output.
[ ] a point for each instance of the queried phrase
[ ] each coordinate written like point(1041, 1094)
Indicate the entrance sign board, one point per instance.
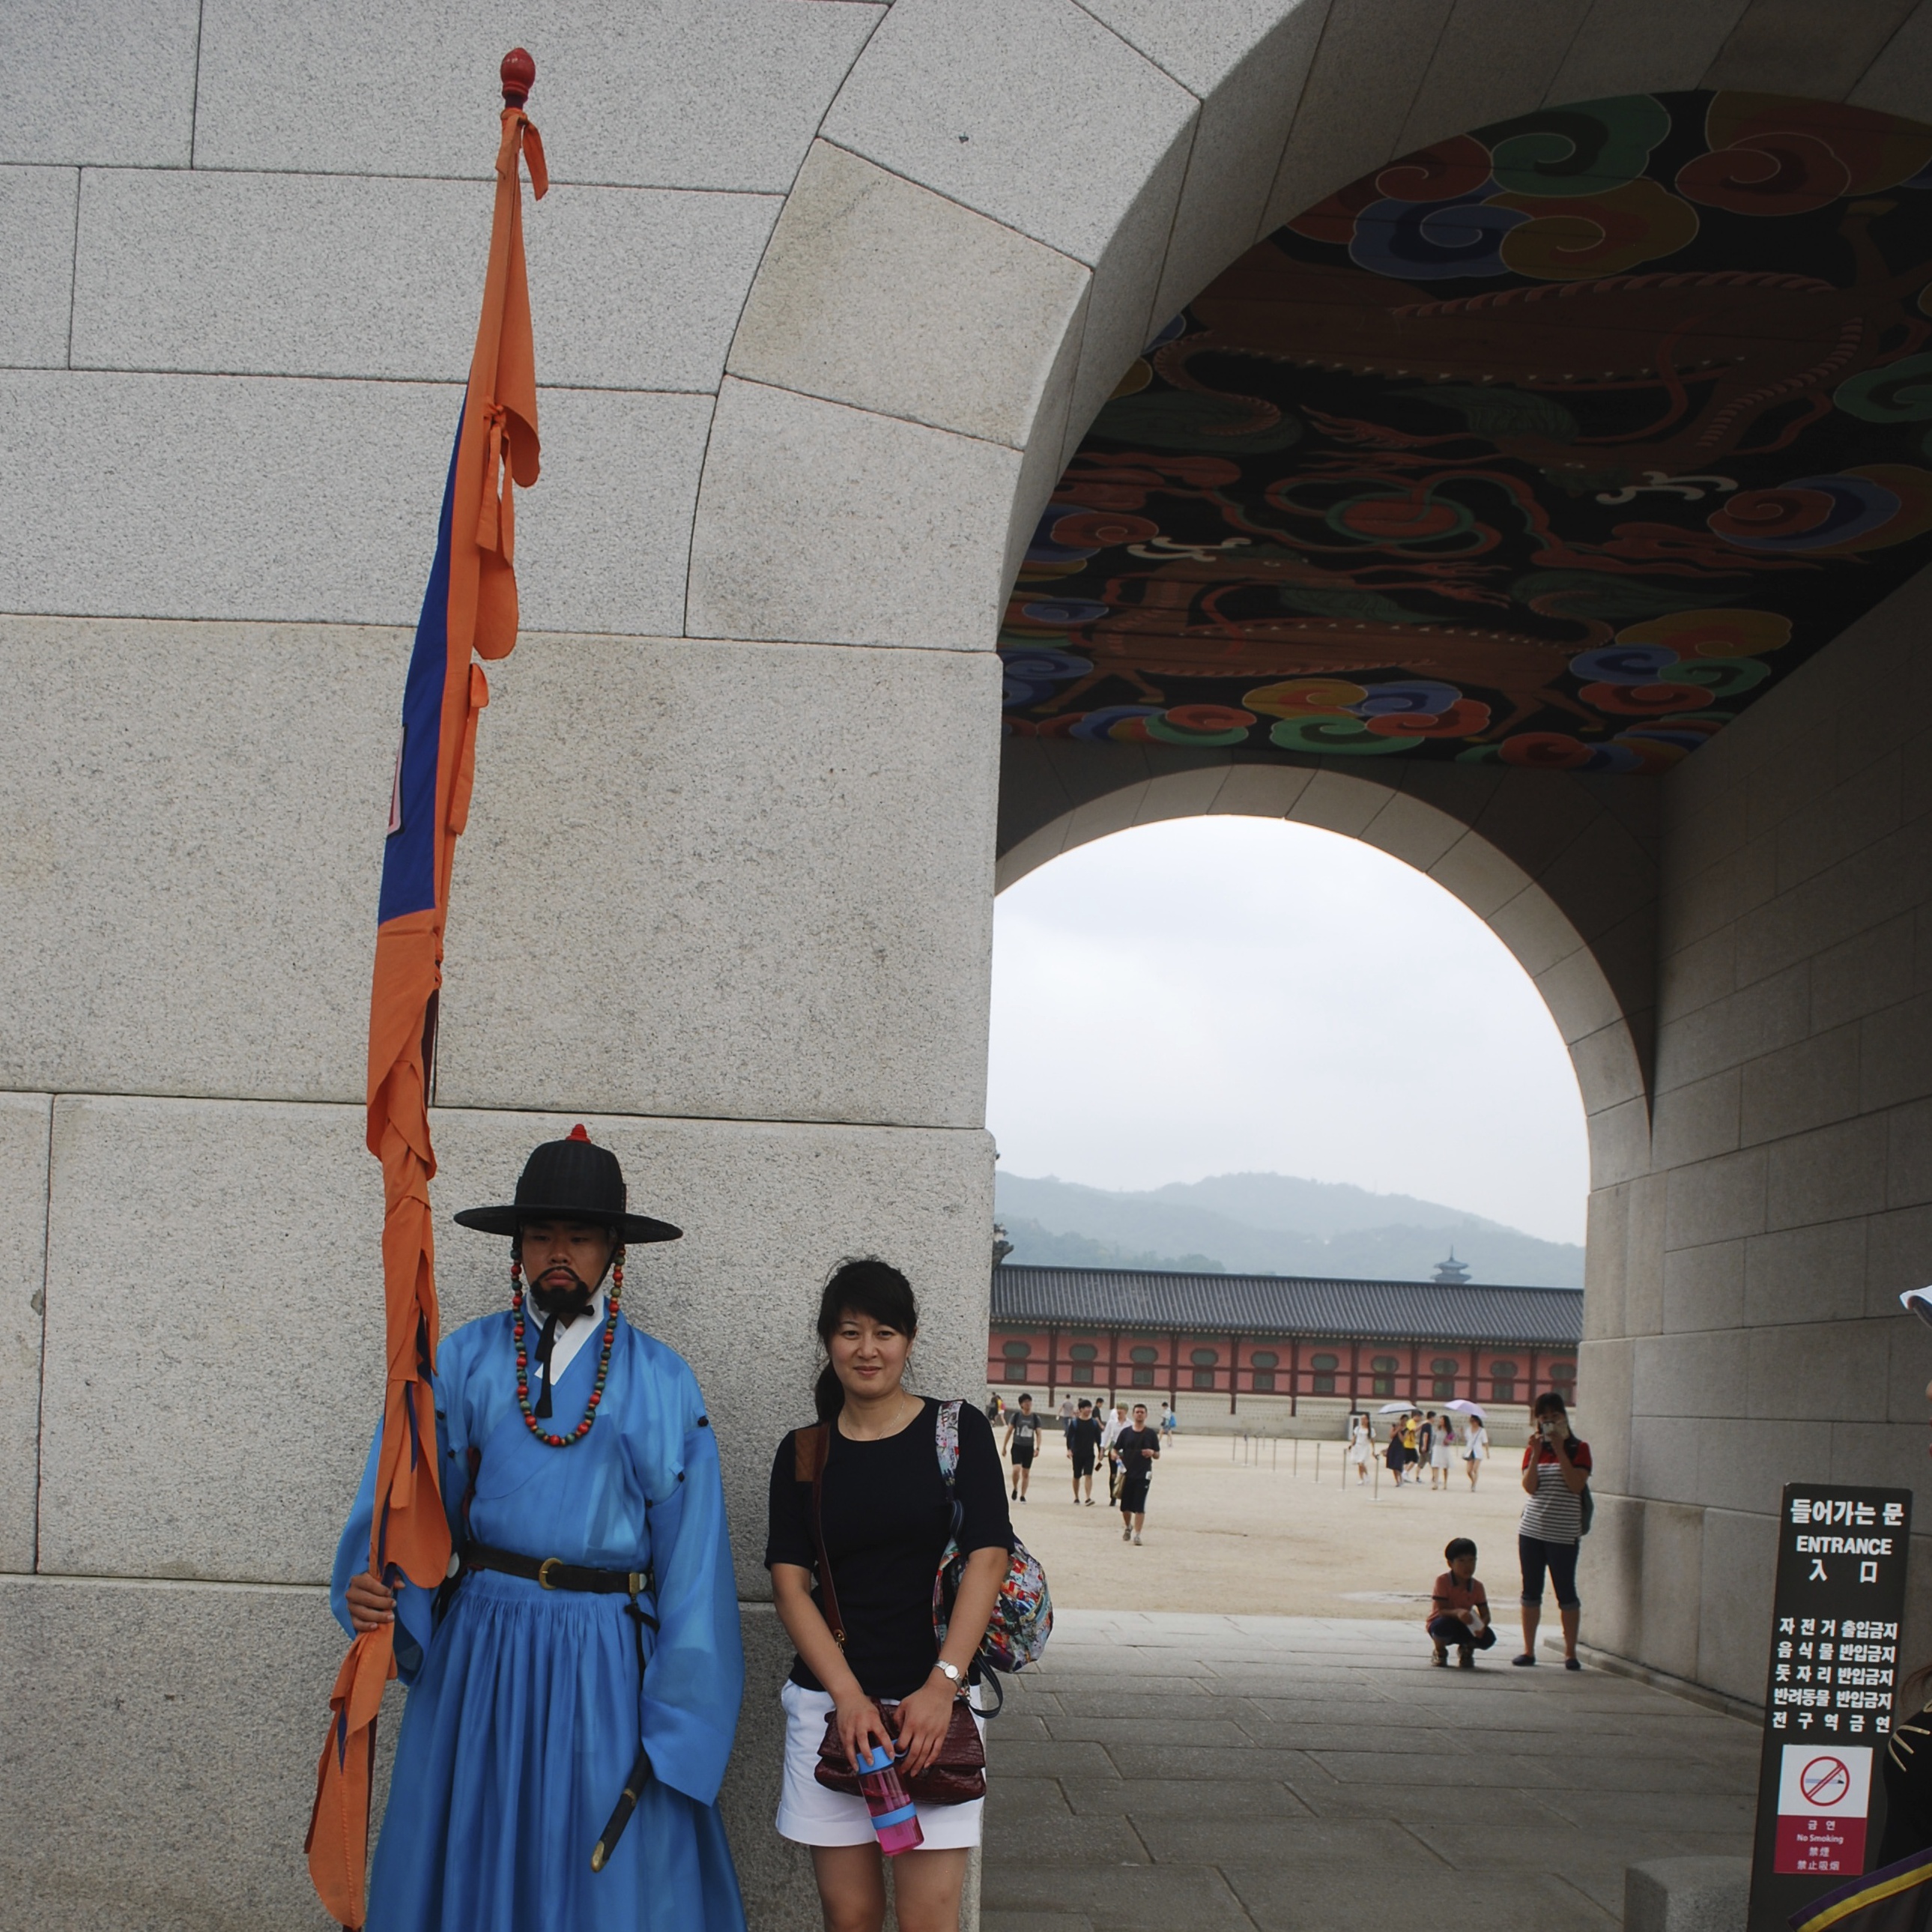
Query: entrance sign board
point(1837, 1602)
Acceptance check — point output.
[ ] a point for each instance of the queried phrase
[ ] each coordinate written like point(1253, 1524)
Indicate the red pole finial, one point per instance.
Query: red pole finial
point(519, 74)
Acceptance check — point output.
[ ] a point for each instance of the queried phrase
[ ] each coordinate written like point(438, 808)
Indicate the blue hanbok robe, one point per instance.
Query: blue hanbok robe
point(524, 1716)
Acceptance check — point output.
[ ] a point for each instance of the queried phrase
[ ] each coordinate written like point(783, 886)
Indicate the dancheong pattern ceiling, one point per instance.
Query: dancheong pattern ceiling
point(1553, 444)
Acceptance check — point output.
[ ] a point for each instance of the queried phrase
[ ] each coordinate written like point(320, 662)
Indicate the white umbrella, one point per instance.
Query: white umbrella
point(1463, 1407)
point(1918, 1301)
point(1395, 1409)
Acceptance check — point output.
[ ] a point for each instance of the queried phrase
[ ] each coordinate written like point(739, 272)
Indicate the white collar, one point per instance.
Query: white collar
point(568, 1342)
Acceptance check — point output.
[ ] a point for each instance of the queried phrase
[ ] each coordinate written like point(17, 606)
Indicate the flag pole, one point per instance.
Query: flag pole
point(469, 612)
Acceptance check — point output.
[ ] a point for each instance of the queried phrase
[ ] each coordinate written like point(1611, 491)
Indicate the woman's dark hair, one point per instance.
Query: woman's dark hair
point(870, 1287)
point(1550, 1403)
point(1458, 1545)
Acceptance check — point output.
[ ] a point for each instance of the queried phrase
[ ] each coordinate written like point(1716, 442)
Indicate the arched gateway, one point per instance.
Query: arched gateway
point(835, 295)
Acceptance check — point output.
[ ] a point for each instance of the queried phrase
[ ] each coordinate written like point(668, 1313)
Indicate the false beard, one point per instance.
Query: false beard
point(567, 1304)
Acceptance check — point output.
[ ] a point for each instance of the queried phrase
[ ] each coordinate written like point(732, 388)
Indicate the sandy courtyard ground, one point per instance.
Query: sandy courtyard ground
point(1247, 1539)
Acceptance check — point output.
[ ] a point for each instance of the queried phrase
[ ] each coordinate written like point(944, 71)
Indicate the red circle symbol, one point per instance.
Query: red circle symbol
point(1825, 1780)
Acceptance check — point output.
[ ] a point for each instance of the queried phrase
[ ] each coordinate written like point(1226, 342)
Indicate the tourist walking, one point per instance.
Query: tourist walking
point(1083, 1449)
point(1066, 1413)
point(1396, 1454)
point(1425, 1446)
point(860, 1503)
point(1408, 1453)
point(1022, 1440)
point(1138, 1449)
point(1361, 1447)
point(1475, 1448)
point(1441, 1450)
point(1117, 1422)
point(1555, 1473)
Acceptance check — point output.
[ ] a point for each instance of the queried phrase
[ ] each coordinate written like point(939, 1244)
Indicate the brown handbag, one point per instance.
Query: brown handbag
point(958, 1774)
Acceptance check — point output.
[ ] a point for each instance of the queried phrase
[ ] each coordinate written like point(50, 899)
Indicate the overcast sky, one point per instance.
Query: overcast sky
point(1220, 995)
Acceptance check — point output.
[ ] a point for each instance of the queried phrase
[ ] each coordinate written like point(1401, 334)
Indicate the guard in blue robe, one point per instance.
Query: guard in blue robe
point(527, 1712)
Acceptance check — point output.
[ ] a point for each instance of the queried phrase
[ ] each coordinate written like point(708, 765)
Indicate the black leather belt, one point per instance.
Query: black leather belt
point(553, 1574)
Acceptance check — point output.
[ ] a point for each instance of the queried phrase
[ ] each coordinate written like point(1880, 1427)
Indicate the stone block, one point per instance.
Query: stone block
point(202, 496)
point(1704, 1287)
point(1672, 1552)
point(1902, 81)
point(1338, 801)
point(1359, 91)
point(1121, 319)
point(1716, 1200)
point(1694, 1122)
point(819, 524)
point(1758, 1019)
point(1419, 833)
point(1809, 1084)
point(1609, 1573)
point(1895, 1055)
point(1608, 1071)
point(1493, 61)
point(1480, 873)
point(1247, 61)
point(1605, 1373)
point(780, 923)
point(25, 1123)
point(1262, 791)
point(1908, 1155)
point(1740, 1562)
point(1695, 975)
point(774, 1874)
point(1824, 1372)
point(195, 817)
point(1688, 1895)
point(878, 292)
point(1030, 111)
point(1853, 815)
point(187, 1766)
point(1639, 45)
point(1042, 464)
point(1687, 1375)
point(1743, 1465)
point(105, 82)
point(36, 208)
point(1807, 1274)
point(655, 95)
point(1580, 996)
point(1643, 1266)
point(1664, 1459)
point(1619, 1144)
point(1826, 1174)
point(220, 1435)
point(334, 275)
point(1181, 795)
point(1606, 1264)
point(1776, 48)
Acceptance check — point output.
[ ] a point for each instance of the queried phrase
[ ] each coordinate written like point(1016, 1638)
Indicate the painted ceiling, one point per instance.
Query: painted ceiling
point(1554, 444)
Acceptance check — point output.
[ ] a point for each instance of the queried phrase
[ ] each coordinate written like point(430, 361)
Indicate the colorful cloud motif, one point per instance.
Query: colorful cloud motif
point(1552, 444)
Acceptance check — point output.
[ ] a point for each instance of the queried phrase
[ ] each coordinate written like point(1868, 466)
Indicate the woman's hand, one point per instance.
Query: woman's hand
point(860, 1726)
point(370, 1606)
point(924, 1718)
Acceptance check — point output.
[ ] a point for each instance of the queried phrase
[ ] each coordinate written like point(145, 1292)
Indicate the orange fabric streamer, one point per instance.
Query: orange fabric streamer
point(496, 449)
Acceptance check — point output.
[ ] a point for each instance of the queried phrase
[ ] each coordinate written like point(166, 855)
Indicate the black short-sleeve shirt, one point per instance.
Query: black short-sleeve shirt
point(887, 1519)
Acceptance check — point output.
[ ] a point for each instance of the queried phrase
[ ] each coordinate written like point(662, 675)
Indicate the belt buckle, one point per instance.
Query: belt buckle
point(543, 1569)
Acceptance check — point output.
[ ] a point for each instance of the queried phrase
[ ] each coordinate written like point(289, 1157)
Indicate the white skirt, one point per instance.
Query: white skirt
point(1439, 1456)
point(808, 1814)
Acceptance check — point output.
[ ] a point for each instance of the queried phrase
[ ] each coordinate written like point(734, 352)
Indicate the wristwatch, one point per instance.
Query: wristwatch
point(952, 1671)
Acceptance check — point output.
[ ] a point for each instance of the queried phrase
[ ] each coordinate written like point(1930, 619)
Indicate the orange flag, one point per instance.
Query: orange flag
point(468, 611)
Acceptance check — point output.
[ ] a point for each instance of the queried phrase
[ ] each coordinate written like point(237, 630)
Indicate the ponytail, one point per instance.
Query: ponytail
point(828, 1393)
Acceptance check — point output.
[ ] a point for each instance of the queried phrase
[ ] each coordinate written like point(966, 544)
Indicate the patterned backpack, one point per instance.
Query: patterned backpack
point(1022, 1618)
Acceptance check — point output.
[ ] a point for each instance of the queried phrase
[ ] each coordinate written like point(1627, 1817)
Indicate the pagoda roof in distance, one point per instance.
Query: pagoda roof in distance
point(1318, 1308)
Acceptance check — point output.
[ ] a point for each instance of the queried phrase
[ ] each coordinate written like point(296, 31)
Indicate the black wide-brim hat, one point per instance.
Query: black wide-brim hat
point(570, 1179)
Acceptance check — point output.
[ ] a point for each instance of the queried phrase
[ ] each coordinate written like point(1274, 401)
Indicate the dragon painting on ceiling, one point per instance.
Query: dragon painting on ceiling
point(1552, 444)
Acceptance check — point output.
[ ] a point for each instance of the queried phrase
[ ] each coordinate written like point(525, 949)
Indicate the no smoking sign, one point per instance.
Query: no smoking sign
point(1824, 1794)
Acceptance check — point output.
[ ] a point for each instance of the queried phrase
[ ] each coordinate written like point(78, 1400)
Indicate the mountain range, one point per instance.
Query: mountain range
point(1271, 1224)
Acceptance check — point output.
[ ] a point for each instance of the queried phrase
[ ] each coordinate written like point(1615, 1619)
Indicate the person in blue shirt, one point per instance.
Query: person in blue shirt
point(586, 1656)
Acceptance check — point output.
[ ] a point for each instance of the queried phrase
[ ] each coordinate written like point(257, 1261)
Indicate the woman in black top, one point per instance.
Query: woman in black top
point(887, 1519)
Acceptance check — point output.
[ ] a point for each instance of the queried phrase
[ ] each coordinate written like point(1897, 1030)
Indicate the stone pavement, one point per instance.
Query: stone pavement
point(1175, 1773)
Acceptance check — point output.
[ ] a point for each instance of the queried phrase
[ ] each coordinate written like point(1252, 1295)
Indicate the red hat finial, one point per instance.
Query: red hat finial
point(519, 73)
point(579, 1132)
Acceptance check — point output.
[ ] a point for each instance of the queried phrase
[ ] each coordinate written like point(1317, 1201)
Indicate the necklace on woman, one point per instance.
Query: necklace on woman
point(583, 1428)
point(905, 1395)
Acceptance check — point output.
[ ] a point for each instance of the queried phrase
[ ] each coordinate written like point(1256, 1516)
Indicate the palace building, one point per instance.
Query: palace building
point(1280, 1352)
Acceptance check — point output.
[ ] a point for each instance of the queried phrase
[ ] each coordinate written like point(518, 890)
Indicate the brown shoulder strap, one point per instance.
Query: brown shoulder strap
point(810, 1449)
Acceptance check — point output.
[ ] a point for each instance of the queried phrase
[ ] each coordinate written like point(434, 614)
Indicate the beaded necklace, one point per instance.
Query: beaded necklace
point(583, 1428)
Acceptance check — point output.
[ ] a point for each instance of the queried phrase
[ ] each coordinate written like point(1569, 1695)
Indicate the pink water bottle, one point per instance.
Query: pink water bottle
point(893, 1817)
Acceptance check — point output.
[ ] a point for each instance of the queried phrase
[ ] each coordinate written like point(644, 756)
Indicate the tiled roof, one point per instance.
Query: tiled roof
point(1395, 1311)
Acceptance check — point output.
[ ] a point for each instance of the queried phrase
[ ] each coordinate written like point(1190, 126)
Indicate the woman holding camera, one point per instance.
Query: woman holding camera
point(1556, 1472)
point(880, 1501)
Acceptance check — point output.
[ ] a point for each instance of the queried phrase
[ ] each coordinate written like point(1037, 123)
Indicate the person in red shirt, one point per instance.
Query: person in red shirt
point(1555, 1478)
point(1458, 1610)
